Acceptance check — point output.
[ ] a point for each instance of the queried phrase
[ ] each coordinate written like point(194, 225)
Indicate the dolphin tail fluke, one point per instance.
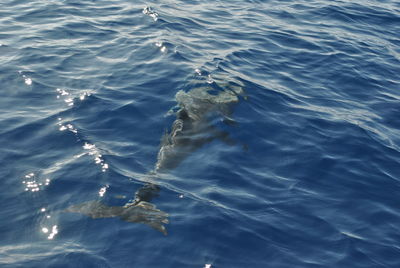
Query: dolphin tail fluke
point(147, 213)
point(159, 227)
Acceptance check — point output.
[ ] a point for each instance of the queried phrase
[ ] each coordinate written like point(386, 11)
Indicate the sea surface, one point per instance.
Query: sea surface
point(311, 177)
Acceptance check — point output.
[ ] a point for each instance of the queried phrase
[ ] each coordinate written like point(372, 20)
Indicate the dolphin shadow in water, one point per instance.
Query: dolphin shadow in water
point(191, 129)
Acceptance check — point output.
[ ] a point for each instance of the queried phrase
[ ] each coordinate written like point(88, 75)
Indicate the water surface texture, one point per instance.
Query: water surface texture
point(307, 175)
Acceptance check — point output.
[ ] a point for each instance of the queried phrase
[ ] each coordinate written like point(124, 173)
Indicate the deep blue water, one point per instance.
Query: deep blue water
point(313, 179)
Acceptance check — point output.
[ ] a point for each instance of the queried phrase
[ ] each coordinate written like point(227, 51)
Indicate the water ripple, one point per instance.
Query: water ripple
point(309, 179)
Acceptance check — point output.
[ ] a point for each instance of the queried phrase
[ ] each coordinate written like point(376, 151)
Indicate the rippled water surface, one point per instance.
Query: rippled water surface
point(309, 176)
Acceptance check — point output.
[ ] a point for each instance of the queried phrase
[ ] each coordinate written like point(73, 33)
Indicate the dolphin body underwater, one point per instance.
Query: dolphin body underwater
point(192, 128)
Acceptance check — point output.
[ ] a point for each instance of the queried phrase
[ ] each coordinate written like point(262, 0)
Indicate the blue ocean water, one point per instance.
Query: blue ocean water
point(312, 180)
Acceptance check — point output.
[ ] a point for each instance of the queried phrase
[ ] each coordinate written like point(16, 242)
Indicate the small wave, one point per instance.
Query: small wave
point(151, 13)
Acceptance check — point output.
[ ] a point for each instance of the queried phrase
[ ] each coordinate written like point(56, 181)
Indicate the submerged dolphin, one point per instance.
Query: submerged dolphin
point(142, 212)
point(192, 128)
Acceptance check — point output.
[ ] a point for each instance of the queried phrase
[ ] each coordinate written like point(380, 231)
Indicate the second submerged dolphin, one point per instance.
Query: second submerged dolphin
point(142, 212)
